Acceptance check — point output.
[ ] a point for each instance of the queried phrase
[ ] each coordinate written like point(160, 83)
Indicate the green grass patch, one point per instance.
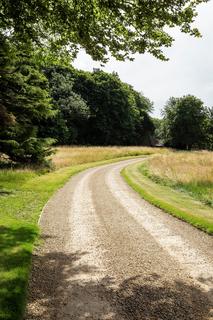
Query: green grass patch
point(16, 245)
point(23, 193)
point(202, 191)
point(174, 202)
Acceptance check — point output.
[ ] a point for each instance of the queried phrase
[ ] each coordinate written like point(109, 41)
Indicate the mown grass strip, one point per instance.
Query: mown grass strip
point(22, 197)
point(150, 191)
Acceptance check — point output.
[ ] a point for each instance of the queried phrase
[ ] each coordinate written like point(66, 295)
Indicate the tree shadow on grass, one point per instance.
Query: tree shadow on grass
point(60, 288)
point(16, 243)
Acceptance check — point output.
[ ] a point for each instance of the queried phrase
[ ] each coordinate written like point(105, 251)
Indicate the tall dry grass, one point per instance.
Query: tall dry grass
point(70, 156)
point(189, 171)
point(184, 167)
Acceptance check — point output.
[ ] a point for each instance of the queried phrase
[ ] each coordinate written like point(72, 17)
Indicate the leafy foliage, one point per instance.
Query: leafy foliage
point(110, 106)
point(209, 124)
point(185, 123)
point(158, 123)
point(99, 108)
point(72, 110)
point(100, 26)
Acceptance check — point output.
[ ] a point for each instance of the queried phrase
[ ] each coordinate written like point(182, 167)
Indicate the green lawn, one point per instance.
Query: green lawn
point(22, 197)
point(180, 204)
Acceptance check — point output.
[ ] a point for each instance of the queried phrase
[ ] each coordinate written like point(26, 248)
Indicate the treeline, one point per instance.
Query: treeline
point(187, 123)
point(45, 105)
point(97, 109)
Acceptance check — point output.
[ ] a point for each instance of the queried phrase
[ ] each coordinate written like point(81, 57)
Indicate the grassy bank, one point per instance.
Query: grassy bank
point(182, 204)
point(191, 172)
point(23, 194)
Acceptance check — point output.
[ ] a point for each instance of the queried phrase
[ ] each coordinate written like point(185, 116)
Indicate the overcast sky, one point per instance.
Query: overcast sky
point(189, 70)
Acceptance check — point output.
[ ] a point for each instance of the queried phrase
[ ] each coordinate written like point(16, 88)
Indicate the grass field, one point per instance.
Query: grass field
point(190, 172)
point(180, 183)
point(71, 156)
point(23, 193)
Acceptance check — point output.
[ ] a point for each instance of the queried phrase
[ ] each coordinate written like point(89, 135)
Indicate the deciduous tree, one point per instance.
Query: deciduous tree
point(99, 26)
point(184, 123)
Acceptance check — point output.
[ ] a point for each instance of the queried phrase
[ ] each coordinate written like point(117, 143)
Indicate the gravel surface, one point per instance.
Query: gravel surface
point(108, 254)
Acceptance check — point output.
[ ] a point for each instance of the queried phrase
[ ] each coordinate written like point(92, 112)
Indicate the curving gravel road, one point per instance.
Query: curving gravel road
point(108, 254)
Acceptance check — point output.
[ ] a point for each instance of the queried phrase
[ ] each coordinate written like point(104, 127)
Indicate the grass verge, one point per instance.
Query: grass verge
point(176, 203)
point(189, 171)
point(23, 194)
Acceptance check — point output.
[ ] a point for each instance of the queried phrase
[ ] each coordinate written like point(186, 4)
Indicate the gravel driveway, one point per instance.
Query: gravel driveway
point(108, 254)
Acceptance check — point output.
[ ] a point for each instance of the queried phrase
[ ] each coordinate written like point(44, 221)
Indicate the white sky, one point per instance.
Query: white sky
point(189, 70)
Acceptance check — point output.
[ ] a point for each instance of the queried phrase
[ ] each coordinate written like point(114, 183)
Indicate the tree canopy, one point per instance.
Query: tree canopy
point(118, 27)
point(186, 123)
point(96, 108)
point(71, 109)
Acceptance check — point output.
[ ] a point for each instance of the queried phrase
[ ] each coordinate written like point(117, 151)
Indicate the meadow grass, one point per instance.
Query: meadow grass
point(23, 193)
point(70, 156)
point(190, 172)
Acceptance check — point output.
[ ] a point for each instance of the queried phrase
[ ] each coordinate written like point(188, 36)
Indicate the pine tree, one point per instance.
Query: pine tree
point(24, 101)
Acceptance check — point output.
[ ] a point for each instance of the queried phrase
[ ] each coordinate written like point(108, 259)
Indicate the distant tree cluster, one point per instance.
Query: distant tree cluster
point(96, 108)
point(61, 105)
point(186, 124)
